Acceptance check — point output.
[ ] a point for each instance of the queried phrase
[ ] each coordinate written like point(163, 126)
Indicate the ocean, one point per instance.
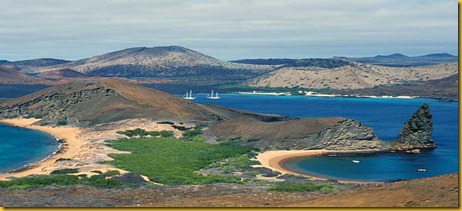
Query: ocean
point(19, 147)
point(384, 115)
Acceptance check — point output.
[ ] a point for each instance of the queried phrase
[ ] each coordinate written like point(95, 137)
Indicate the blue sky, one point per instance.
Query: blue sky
point(228, 29)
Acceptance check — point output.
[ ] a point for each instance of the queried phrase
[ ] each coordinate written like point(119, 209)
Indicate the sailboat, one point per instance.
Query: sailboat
point(189, 96)
point(211, 96)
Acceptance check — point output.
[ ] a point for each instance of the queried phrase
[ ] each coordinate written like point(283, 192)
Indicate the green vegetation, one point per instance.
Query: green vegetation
point(166, 123)
point(301, 187)
point(166, 133)
point(64, 159)
point(65, 171)
point(142, 133)
point(37, 181)
point(237, 163)
point(192, 134)
point(172, 161)
point(62, 122)
point(180, 128)
point(111, 173)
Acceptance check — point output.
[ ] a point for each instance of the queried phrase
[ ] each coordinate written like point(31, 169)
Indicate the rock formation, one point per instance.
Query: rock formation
point(307, 133)
point(416, 132)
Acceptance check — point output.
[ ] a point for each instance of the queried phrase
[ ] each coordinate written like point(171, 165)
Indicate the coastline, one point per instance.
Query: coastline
point(274, 160)
point(68, 145)
point(82, 148)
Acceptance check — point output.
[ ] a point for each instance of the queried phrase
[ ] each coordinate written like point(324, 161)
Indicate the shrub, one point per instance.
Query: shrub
point(166, 133)
point(65, 171)
point(111, 173)
point(64, 159)
point(190, 134)
point(165, 123)
point(301, 187)
point(62, 122)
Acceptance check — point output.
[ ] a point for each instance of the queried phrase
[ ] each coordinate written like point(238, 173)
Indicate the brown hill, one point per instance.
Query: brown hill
point(307, 133)
point(30, 66)
point(442, 89)
point(103, 101)
point(440, 191)
point(109, 100)
point(10, 76)
point(352, 76)
point(164, 62)
point(61, 74)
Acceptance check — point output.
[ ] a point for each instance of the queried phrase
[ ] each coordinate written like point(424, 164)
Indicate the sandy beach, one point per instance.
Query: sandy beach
point(83, 147)
point(274, 160)
point(69, 146)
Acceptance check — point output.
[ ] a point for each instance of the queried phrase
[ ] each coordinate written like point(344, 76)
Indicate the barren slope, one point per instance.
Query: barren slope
point(440, 191)
point(353, 76)
point(8, 75)
point(171, 61)
point(104, 101)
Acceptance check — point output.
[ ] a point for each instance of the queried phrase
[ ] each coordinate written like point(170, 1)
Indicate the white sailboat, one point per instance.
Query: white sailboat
point(213, 97)
point(189, 96)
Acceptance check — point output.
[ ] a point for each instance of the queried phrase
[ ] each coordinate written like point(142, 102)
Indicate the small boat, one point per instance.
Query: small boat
point(189, 96)
point(213, 97)
point(421, 170)
point(356, 161)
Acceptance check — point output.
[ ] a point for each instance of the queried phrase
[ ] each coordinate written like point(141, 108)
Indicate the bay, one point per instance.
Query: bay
point(384, 115)
point(19, 147)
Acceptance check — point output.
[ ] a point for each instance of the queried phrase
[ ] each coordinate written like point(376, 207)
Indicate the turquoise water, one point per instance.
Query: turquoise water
point(19, 147)
point(384, 116)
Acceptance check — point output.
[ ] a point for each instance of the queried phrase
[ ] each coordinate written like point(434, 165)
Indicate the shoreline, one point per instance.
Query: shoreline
point(67, 145)
point(80, 148)
point(275, 160)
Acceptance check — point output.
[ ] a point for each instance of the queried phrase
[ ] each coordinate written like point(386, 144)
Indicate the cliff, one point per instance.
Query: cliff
point(308, 133)
point(416, 132)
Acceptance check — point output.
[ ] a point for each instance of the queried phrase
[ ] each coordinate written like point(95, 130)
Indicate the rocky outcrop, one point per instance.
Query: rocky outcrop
point(416, 132)
point(348, 135)
point(309, 133)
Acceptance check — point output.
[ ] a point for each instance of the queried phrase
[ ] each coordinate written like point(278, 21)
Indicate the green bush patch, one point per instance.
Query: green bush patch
point(301, 187)
point(65, 171)
point(172, 161)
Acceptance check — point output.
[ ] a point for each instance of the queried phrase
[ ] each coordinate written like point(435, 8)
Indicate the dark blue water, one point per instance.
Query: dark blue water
point(19, 147)
point(384, 116)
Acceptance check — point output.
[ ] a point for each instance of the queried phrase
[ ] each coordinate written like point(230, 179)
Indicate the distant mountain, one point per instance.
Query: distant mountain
point(33, 64)
point(313, 62)
point(3, 62)
point(60, 74)
point(161, 62)
point(438, 55)
point(10, 76)
point(441, 89)
point(400, 60)
point(350, 75)
point(391, 56)
point(266, 61)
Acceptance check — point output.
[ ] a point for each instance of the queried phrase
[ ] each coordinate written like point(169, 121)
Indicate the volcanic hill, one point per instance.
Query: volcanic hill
point(10, 76)
point(350, 75)
point(164, 62)
point(110, 100)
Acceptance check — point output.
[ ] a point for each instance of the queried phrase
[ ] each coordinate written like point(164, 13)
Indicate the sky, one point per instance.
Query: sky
point(228, 29)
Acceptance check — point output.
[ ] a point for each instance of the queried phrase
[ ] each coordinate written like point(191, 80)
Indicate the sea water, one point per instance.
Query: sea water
point(19, 147)
point(384, 115)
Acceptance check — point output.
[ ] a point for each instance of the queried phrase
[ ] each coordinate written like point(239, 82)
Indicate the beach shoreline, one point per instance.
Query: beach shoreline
point(65, 136)
point(81, 148)
point(274, 160)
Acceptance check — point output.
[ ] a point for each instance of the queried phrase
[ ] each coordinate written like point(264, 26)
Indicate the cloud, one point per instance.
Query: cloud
point(228, 29)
